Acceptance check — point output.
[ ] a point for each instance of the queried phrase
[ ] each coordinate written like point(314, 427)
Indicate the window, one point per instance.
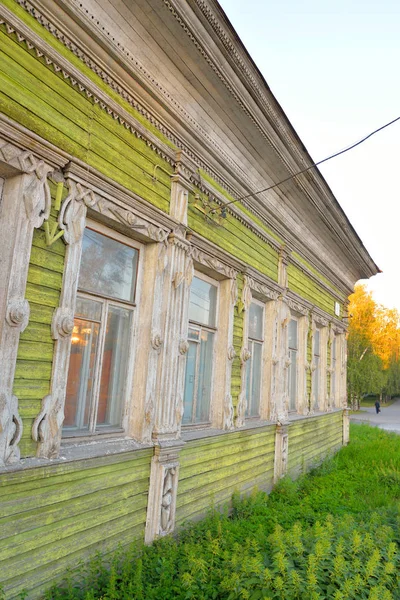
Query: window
point(333, 369)
point(254, 364)
point(292, 372)
point(317, 365)
point(101, 338)
point(201, 338)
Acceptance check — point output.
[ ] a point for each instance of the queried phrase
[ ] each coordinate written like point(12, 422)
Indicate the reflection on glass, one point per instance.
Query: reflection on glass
point(114, 366)
point(198, 377)
point(333, 374)
point(253, 380)
point(256, 321)
point(108, 267)
point(292, 379)
point(293, 334)
point(204, 377)
point(88, 309)
point(203, 300)
point(190, 380)
point(81, 374)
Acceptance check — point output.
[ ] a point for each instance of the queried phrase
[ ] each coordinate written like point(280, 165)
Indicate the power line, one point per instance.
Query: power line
point(271, 187)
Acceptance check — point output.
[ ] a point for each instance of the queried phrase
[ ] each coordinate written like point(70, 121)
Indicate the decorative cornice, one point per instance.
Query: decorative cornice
point(81, 197)
point(264, 290)
point(295, 155)
point(211, 262)
point(78, 80)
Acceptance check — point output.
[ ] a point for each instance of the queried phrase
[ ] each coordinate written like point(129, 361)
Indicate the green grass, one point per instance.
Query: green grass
point(369, 401)
point(333, 533)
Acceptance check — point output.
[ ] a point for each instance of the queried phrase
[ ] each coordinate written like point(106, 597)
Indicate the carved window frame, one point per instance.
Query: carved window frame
point(127, 400)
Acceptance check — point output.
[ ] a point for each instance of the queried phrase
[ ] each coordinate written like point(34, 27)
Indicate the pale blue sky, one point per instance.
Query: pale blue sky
point(334, 68)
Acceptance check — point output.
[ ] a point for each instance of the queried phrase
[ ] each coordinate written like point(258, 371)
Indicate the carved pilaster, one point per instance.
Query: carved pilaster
point(47, 426)
point(174, 291)
point(163, 488)
point(245, 354)
point(26, 203)
point(279, 318)
point(303, 364)
point(180, 188)
point(283, 261)
point(222, 405)
point(281, 451)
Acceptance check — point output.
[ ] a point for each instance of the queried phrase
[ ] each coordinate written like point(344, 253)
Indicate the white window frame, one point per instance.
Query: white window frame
point(249, 364)
point(334, 362)
point(106, 301)
point(200, 326)
point(292, 409)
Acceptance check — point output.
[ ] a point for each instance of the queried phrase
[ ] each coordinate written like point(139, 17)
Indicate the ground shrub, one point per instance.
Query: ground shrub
point(332, 534)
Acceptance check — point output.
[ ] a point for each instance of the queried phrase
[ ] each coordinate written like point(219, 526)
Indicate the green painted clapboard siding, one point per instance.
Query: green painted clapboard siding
point(230, 198)
point(46, 510)
point(303, 285)
point(36, 346)
point(212, 469)
point(65, 52)
point(34, 95)
point(310, 440)
point(238, 240)
point(318, 274)
point(238, 322)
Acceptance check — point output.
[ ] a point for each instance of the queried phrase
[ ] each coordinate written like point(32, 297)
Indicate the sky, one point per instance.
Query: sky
point(334, 68)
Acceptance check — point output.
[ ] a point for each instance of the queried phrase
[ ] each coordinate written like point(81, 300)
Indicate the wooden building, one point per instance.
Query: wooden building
point(167, 336)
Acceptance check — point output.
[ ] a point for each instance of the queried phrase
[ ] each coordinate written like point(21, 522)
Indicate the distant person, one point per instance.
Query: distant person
point(377, 407)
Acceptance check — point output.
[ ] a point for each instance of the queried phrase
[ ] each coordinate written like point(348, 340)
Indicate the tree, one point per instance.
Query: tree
point(373, 347)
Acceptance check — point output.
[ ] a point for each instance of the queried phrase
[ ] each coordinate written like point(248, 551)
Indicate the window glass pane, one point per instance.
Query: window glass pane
point(114, 366)
point(316, 381)
point(254, 381)
point(204, 377)
point(88, 309)
point(81, 374)
point(292, 375)
point(108, 267)
point(203, 300)
point(292, 334)
point(256, 321)
point(190, 382)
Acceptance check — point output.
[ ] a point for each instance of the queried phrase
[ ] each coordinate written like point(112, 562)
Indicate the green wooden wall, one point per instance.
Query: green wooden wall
point(35, 96)
point(212, 469)
point(307, 288)
point(312, 439)
point(54, 516)
point(35, 350)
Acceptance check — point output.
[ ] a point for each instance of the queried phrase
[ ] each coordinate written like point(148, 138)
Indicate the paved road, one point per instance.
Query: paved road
point(388, 418)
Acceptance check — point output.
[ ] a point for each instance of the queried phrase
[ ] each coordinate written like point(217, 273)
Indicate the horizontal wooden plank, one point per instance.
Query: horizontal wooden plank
point(42, 295)
point(37, 332)
point(41, 351)
point(26, 390)
point(202, 464)
point(39, 580)
point(29, 541)
point(32, 370)
point(60, 548)
point(43, 475)
point(253, 465)
point(44, 277)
